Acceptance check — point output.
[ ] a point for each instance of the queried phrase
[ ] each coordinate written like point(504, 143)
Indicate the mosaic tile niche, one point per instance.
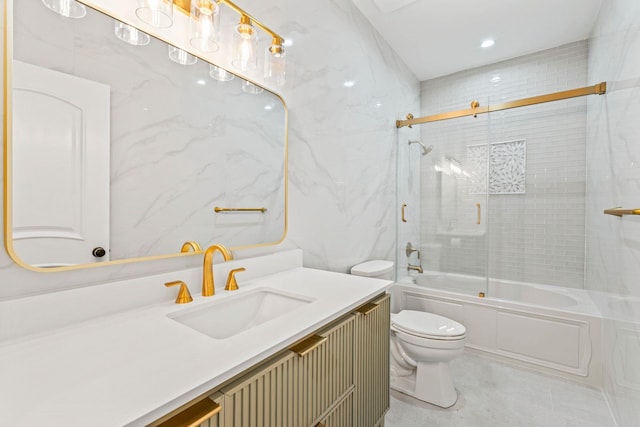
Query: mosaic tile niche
point(506, 168)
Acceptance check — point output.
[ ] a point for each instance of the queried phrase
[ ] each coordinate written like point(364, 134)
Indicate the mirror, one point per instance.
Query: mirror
point(116, 150)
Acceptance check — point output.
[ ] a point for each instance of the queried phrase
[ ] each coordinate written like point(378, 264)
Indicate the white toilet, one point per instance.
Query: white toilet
point(422, 345)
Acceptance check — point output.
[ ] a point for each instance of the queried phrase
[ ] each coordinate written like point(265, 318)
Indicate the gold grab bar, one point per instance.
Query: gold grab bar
point(619, 211)
point(479, 214)
point(599, 89)
point(219, 209)
point(404, 217)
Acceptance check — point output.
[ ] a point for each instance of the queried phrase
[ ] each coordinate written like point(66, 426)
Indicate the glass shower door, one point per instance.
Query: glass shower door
point(453, 198)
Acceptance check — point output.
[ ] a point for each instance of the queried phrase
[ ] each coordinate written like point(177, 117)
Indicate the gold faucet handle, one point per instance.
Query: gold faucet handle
point(232, 284)
point(184, 296)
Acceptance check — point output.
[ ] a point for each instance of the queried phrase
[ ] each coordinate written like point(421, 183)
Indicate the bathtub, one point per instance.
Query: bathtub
point(546, 328)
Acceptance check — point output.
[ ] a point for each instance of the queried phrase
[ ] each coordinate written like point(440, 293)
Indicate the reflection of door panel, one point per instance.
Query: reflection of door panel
point(60, 177)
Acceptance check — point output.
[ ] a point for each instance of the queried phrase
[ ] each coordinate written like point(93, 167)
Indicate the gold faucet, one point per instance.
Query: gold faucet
point(417, 268)
point(208, 287)
point(190, 245)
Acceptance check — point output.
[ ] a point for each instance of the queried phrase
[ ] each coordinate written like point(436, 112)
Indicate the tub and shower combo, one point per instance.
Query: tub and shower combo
point(498, 204)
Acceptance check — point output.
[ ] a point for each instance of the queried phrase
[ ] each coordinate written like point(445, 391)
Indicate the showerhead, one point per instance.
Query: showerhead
point(425, 150)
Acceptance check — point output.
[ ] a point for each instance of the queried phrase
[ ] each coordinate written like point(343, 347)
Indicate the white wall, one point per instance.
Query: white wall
point(613, 164)
point(534, 237)
point(343, 145)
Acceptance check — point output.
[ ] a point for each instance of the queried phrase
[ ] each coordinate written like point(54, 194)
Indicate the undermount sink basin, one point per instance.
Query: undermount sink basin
point(229, 317)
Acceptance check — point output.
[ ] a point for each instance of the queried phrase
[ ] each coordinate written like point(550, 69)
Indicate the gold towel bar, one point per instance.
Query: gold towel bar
point(219, 209)
point(619, 211)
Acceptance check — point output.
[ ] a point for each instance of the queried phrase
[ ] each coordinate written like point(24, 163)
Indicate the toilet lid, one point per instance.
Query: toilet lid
point(427, 324)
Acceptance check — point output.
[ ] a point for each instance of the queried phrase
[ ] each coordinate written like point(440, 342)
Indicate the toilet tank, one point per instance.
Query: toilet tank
point(379, 269)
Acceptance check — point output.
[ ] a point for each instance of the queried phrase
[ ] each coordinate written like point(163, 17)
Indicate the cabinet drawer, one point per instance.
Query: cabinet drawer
point(340, 416)
point(327, 372)
point(294, 390)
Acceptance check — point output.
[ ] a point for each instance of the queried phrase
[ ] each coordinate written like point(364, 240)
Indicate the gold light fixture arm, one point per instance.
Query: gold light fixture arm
point(620, 212)
point(599, 89)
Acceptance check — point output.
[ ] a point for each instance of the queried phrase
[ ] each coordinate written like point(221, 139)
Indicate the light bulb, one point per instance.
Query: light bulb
point(275, 63)
point(203, 25)
point(246, 46)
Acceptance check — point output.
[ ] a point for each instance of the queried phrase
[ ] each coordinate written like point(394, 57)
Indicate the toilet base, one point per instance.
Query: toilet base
point(435, 385)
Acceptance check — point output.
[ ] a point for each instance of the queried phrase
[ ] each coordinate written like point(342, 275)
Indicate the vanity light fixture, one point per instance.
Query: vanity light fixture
point(158, 13)
point(66, 8)
point(203, 25)
point(180, 56)
point(204, 17)
point(249, 87)
point(220, 74)
point(246, 44)
point(487, 43)
point(130, 35)
point(275, 64)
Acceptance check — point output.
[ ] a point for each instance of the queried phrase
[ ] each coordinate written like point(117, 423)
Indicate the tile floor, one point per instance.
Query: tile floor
point(493, 394)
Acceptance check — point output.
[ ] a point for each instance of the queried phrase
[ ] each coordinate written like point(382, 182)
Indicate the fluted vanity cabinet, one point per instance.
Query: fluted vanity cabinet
point(336, 377)
point(298, 388)
point(371, 395)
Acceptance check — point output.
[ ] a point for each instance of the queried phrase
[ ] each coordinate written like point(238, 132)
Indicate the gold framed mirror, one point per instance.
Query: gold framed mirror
point(104, 133)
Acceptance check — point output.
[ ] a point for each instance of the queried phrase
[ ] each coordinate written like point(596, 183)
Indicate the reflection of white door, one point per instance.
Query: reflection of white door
point(60, 158)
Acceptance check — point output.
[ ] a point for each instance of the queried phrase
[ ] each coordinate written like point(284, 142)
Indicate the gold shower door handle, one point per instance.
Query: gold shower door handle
point(479, 213)
point(404, 216)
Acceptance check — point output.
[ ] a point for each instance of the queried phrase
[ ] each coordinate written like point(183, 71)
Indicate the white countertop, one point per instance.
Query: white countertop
point(132, 367)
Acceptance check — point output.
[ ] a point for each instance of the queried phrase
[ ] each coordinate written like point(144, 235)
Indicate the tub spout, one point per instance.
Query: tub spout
point(417, 268)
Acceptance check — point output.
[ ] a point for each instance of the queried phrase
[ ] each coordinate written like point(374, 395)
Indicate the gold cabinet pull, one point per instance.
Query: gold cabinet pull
point(479, 213)
point(367, 308)
point(194, 415)
point(307, 345)
point(184, 296)
point(404, 217)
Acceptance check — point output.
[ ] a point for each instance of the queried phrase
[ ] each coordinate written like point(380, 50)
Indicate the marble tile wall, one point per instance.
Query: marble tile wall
point(613, 179)
point(537, 236)
point(343, 146)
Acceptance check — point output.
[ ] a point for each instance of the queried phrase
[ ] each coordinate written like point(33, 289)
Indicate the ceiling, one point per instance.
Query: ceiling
point(440, 37)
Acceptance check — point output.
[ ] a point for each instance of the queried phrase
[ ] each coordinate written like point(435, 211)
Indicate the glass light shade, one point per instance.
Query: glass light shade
point(131, 35)
point(158, 13)
point(249, 87)
point(246, 46)
point(220, 74)
point(66, 8)
point(203, 25)
point(180, 56)
point(275, 65)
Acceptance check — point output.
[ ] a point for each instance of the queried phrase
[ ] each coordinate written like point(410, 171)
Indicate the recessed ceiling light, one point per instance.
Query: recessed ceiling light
point(349, 83)
point(488, 43)
point(201, 82)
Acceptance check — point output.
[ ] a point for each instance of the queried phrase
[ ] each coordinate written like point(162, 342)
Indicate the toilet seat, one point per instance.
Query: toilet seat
point(427, 325)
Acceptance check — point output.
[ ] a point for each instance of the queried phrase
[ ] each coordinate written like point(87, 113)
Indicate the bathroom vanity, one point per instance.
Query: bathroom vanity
point(294, 347)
